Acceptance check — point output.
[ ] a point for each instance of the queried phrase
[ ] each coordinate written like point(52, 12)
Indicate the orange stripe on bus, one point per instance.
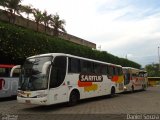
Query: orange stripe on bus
point(84, 84)
point(115, 78)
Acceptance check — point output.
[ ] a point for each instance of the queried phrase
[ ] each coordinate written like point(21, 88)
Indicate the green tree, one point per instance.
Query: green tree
point(46, 19)
point(13, 8)
point(3, 3)
point(38, 16)
point(28, 10)
point(153, 70)
point(57, 24)
point(33, 43)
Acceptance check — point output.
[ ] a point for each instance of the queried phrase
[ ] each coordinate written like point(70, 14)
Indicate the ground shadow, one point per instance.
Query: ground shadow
point(8, 98)
point(56, 107)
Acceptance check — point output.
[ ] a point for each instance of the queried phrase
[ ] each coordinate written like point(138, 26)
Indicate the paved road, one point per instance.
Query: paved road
point(119, 107)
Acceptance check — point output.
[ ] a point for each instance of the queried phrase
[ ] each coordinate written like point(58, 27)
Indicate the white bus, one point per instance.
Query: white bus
point(9, 77)
point(56, 77)
point(135, 79)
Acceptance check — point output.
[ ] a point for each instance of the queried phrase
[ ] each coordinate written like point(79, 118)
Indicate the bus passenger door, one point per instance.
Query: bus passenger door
point(58, 88)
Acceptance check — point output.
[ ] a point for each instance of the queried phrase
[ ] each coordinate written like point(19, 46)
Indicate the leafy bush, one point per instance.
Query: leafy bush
point(17, 43)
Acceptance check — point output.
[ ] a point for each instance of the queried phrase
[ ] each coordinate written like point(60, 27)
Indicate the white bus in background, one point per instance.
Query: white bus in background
point(134, 79)
point(56, 77)
point(9, 77)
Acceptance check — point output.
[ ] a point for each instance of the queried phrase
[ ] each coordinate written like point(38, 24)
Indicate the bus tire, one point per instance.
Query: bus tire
point(144, 87)
point(74, 98)
point(112, 91)
point(132, 89)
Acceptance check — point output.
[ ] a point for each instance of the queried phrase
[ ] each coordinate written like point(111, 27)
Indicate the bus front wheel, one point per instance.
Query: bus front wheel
point(74, 98)
point(112, 92)
point(144, 87)
point(132, 89)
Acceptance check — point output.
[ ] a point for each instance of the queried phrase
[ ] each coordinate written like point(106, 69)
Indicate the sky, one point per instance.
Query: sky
point(125, 28)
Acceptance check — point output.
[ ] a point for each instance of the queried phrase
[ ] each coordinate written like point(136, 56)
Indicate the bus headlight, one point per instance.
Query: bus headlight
point(125, 87)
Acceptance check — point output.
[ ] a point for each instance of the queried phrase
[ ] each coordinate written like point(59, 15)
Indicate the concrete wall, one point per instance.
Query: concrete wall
point(20, 21)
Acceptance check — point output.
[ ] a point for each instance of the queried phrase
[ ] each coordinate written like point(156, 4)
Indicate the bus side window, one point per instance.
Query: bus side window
point(86, 66)
point(58, 71)
point(115, 70)
point(73, 65)
point(128, 76)
point(141, 75)
point(119, 71)
point(111, 71)
point(96, 68)
point(107, 67)
point(104, 69)
point(134, 75)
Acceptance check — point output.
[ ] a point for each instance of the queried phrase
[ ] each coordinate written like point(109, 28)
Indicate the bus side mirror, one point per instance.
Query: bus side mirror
point(45, 67)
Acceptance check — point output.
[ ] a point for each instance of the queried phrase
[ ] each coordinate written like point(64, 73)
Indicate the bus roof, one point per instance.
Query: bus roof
point(131, 68)
point(69, 55)
point(6, 66)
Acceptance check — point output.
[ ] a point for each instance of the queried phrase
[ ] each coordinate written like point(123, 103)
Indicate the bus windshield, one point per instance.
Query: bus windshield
point(34, 74)
point(127, 78)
